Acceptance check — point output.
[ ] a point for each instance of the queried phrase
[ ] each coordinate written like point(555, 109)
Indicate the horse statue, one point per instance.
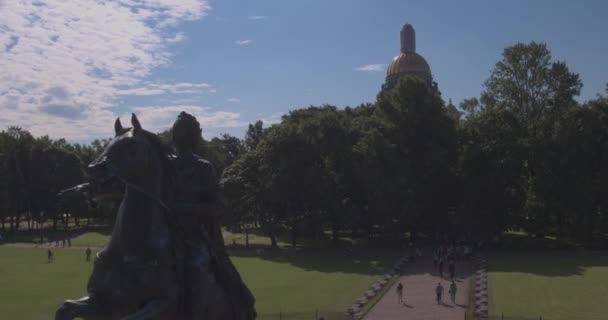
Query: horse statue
point(137, 275)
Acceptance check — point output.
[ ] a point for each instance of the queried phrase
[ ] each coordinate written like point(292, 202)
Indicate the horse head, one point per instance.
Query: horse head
point(133, 157)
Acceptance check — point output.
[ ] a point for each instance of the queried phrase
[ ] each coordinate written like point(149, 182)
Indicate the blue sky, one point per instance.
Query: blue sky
point(69, 67)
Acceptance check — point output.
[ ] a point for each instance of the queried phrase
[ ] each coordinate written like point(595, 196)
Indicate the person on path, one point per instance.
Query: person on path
point(88, 253)
point(452, 292)
point(452, 268)
point(49, 256)
point(438, 292)
point(400, 293)
point(410, 251)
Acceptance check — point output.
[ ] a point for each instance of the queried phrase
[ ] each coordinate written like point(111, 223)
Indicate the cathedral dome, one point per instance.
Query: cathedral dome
point(409, 64)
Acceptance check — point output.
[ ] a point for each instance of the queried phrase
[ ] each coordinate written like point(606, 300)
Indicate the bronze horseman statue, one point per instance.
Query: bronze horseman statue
point(166, 258)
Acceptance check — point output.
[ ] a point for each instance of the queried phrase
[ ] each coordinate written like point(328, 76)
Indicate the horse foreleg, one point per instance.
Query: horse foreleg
point(83, 308)
point(152, 310)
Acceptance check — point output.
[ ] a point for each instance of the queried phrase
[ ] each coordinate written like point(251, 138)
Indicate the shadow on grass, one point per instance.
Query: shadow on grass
point(42, 236)
point(551, 263)
point(326, 259)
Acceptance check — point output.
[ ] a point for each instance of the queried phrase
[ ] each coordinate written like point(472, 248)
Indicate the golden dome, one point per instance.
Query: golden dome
point(409, 63)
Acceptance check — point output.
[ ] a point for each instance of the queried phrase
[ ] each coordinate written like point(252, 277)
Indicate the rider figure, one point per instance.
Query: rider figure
point(198, 206)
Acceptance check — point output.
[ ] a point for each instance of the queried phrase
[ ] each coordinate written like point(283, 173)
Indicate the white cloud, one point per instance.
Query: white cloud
point(244, 42)
point(371, 68)
point(235, 100)
point(64, 63)
point(155, 88)
point(257, 17)
point(179, 37)
point(212, 90)
point(273, 119)
point(159, 118)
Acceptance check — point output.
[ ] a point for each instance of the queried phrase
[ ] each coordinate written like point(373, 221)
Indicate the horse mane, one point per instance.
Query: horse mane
point(168, 170)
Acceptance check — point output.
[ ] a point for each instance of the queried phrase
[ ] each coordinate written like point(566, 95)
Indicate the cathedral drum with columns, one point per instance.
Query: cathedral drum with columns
point(408, 63)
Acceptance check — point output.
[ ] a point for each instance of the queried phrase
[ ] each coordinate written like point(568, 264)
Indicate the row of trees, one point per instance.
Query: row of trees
point(34, 170)
point(525, 154)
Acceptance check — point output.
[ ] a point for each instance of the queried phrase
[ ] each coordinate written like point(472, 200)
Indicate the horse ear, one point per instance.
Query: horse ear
point(117, 126)
point(135, 122)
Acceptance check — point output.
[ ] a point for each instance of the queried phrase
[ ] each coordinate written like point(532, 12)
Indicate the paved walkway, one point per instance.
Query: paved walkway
point(419, 280)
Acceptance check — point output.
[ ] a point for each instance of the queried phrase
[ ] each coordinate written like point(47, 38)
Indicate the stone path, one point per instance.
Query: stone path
point(419, 280)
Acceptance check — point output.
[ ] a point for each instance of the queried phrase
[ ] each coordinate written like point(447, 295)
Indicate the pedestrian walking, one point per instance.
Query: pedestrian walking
point(452, 292)
point(400, 293)
point(49, 256)
point(452, 269)
point(439, 293)
point(88, 253)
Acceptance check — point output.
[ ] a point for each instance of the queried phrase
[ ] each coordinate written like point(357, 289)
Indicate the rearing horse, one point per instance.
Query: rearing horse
point(136, 275)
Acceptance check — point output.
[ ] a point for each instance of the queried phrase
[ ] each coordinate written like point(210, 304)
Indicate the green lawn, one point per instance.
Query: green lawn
point(98, 239)
point(555, 285)
point(92, 239)
point(294, 283)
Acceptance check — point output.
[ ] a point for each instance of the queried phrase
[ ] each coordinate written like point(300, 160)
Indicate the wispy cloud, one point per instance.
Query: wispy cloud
point(272, 119)
point(178, 37)
point(371, 68)
point(159, 118)
point(244, 42)
point(235, 100)
point(257, 17)
point(62, 69)
point(152, 89)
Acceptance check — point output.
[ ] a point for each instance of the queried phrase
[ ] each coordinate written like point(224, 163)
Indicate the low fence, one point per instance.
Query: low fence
point(468, 316)
point(310, 315)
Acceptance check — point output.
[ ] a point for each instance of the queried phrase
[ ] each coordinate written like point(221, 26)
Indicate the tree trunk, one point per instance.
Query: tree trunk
point(17, 222)
point(294, 234)
point(589, 227)
point(273, 240)
point(560, 223)
point(247, 238)
point(335, 231)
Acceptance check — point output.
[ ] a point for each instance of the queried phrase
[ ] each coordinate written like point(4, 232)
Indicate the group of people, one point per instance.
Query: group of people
point(50, 256)
point(413, 252)
point(443, 255)
point(438, 293)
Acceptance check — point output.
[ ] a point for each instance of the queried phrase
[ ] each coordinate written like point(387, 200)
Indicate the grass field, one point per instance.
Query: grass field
point(556, 285)
point(93, 239)
point(290, 282)
point(99, 239)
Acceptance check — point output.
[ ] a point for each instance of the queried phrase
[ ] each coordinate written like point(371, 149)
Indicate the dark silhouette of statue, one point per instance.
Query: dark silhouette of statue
point(156, 266)
point(198, 207)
